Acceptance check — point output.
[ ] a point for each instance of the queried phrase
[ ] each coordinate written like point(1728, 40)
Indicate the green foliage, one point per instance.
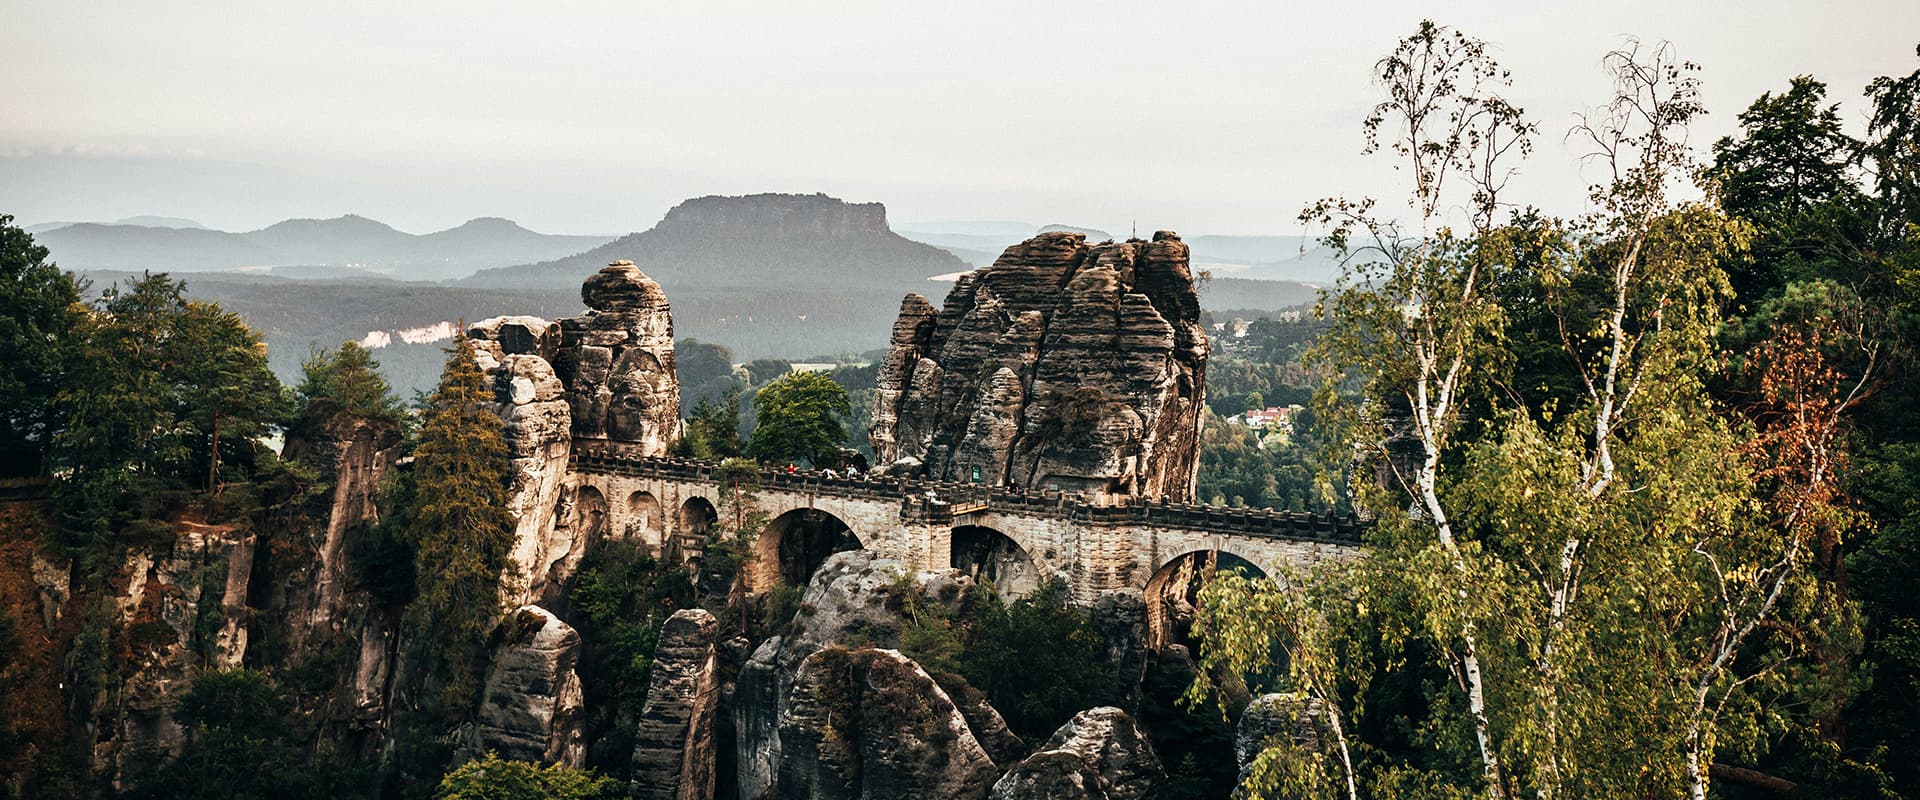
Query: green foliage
point(763, 371)
point(240, 745)
point(799, 417)
point(162, 394)
point(705, 371)
point(623, 595)
point(713, 428)
point(496, 778)
point(350, 377)
point(39, 313)
point(1036, 659)
point(459, 527)
point(1276, 471)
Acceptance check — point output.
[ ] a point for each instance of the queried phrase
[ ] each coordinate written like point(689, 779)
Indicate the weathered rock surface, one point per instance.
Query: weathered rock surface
point(531, 400)
point(354, 453)
point(871, 723)
point(848, 602)
point(159, 595)
point(617, 361)
point(673, 750)
point(1100, 753)
point(1272, 716)
point(1062, 365)
point(530, 705)
point(1119, 617)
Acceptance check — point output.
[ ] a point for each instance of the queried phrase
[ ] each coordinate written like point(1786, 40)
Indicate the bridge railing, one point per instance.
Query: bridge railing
point(935, 500)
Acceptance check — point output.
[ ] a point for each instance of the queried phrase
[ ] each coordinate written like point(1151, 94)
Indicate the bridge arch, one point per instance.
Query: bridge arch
point(643, 521)
point(697, 514)
point(987, 554)
point(589, 513)
point(1172, 593)
point(794, 545)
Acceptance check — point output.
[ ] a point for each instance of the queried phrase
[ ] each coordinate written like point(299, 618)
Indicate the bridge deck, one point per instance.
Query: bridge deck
point(956, 499)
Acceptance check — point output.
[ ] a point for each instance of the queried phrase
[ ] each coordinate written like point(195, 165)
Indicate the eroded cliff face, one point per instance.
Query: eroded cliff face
point(515, 353)
point(1064, 364)
point(617, 361)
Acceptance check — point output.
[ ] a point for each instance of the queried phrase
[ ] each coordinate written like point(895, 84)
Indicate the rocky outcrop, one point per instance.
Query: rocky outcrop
point(871, 723)
point(354, 454)
point(531, 400)
point(530, 704)
point(1273, 718)
point(1100, 753)
point(849, 601)
point(617, 361)
point(1119, 618)
point(162, 597)
point(673, 749)
point(1064, 364)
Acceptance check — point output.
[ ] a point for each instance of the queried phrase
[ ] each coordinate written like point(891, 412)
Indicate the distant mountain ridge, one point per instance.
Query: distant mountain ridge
point(345, 241)
point(145, 220)
point(753, 241)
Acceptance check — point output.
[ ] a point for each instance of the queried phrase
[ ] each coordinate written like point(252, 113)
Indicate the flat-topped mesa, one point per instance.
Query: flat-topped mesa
point(617, 361)
point(1063, 365)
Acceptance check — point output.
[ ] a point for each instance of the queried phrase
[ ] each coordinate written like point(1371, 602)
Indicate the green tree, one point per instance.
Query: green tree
point(713, 428)
point(799, 417)
point(39, 313)
point(704, 369)
point(1036, 659)
point(496, 778)
point(1588, 568)
point(350, 377)
point(240, 745)
point(762, 371)
point(223, 384)
point(1789, 173)
point(120, 442)
point(460, 529)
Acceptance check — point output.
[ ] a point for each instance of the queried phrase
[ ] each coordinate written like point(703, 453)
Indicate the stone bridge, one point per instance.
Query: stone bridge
point(1014, 539)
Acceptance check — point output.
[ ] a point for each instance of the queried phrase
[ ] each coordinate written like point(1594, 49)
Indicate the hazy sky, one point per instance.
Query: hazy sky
point(595, 117)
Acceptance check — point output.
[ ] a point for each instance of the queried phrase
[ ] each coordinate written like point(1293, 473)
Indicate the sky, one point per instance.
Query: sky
point(596, 117)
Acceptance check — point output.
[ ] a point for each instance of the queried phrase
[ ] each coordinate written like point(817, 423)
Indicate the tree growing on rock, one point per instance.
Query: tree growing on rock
point(460, 529)
point(40, 312)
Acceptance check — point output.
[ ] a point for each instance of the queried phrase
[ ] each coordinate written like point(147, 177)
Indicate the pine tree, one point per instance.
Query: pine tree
point(461, 531)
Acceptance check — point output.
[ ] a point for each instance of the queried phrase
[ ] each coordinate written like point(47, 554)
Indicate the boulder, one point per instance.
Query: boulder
point(673, 749)
point(531, 702)
point(1293, 715)
point(849, 601)
point(1102, 747)
point(1063, 364)
point(871, 723)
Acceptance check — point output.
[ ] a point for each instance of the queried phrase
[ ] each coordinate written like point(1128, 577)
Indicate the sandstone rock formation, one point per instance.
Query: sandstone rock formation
point(871, 723)
point(514, 353)
point(849, 600)
point(1119, 617)
point(617, 361)
point(158, 596)
point(530, 705)
point(673, 749)
point(1100, 753)
point(354, 453)
point(1272, 717)
point(1064, 364)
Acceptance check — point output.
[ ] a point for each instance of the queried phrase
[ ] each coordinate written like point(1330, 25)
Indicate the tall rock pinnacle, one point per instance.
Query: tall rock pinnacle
point(1064, 364)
